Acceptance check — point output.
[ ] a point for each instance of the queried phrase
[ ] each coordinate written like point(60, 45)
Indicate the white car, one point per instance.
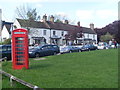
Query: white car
point(103, 45)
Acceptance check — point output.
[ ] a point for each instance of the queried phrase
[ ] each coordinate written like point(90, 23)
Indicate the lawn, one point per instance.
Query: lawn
point(94, 69)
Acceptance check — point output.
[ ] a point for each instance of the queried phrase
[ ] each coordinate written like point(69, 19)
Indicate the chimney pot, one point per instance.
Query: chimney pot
point(92, 26)
point(66, 22)
point(78, 23)
point(52, 18)
point(45, 18)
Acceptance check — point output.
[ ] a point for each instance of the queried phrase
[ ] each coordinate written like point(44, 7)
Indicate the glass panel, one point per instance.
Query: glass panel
point(20, 59)
point(20, 63)
point(19, 49)
point(19, 52)
point(19, 32)
point(19, 41)
point(20, 45)
point(19, 56)
point(19, 38)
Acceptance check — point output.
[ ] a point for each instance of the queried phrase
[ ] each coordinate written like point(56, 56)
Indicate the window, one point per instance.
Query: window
point(54, 32)
point(44, 32)
point(62, 33)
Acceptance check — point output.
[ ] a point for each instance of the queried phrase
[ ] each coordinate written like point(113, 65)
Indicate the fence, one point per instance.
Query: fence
point(20, 81)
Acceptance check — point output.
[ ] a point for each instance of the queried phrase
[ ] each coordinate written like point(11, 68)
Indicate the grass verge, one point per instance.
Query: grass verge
point(94, 69)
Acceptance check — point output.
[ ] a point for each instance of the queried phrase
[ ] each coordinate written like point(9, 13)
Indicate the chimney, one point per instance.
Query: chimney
point(52, 18)
point(66, 22)
point(78, 23)
point(45, 18)
point(92, 26)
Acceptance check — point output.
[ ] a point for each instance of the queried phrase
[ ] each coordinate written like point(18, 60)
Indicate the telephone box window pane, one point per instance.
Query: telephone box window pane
point(20, 63)
point(19, 56)
point(19, 52)
point(19, 32)
point(19, 49)
point(20, 59)
point(20, 45)
point(19, 41)
point(19, 38)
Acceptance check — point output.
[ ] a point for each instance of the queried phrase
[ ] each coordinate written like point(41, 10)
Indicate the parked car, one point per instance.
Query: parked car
point(69, 49)
point(103, 45)
point(5, 51)
point(88, 47)
point(44, 50)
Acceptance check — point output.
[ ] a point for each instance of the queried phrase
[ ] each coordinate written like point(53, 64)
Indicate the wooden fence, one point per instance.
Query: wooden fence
point(20, 81)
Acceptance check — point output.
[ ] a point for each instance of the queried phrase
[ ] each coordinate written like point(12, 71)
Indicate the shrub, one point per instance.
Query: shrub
point(7, 41)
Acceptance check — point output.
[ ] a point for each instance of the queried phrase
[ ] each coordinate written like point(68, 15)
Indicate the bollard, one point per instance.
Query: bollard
point(11, 80)
point(5, 59)
point(36, 87)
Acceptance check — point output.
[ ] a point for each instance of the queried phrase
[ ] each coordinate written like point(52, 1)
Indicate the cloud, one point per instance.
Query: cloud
point(105, 14)
point(62, 14)
point(32, 1)
point(39, 5)
point(84, 14)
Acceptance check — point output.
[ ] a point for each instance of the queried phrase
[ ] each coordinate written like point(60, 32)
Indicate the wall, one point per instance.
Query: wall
point(5, 33)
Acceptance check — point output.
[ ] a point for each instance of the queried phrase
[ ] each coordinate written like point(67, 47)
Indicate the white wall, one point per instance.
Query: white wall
point(16, 23)
point(36, 32)
point(5, 33)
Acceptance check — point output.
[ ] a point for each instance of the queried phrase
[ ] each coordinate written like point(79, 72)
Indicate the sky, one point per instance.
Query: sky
point(98, 12)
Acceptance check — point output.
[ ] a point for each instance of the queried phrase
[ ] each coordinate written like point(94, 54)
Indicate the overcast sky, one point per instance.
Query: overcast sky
point(99, 12)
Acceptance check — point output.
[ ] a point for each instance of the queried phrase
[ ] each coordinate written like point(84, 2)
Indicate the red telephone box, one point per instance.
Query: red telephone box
point(20, 49)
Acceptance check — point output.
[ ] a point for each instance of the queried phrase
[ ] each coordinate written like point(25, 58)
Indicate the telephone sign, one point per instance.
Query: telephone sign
point(20, 49)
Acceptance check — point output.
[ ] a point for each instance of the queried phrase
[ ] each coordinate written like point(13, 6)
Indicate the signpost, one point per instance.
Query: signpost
point(20, 49)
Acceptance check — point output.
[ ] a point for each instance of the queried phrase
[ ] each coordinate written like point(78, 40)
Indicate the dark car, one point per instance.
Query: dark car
point(88, 47)
point(44, 50)
point(69, 49)
point(5, 51)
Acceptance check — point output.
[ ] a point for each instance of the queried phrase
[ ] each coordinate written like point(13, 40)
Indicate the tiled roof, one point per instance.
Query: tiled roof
point(55, 25)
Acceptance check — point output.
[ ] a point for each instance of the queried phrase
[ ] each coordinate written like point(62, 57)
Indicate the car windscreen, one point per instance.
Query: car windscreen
point(65, 48)
point(3, 49)
point(86, 46)
point(34, 48)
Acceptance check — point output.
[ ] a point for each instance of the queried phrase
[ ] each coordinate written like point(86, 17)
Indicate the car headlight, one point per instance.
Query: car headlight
point(30, 52)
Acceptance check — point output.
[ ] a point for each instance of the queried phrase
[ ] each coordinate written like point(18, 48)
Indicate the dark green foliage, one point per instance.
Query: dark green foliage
point(7, 41)
point(107, 37)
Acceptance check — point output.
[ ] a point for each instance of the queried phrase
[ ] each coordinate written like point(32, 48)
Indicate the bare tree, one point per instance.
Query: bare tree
point(27, 13)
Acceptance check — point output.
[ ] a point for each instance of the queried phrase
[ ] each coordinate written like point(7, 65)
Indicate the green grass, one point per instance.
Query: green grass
point(94, 69)
point(6, 83)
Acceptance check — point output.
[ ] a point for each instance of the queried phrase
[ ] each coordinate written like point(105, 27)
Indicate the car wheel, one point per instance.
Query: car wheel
point(37, 55)
point(54, 53)
point(70, 51)
point(79, 51)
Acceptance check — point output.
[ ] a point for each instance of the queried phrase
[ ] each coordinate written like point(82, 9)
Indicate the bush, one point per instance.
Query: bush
point(7, 41)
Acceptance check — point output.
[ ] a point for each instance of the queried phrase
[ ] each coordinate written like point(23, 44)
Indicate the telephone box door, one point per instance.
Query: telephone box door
point(20, 49)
